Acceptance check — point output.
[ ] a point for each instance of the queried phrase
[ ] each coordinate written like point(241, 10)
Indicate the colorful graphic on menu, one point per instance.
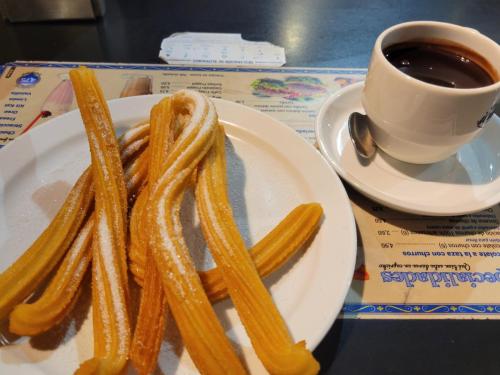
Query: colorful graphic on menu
point(58, 101)
point(291, 88)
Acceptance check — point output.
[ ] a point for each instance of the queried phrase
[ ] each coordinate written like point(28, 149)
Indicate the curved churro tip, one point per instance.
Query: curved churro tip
point(59, 297)
point(23, 277)
point(199, 108)
point(313, 208)
point(314, 205)
point(316, 211)
point(298, 361)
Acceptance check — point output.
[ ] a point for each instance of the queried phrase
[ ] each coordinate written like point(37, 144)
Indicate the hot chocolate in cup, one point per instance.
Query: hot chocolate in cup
point(431, 87)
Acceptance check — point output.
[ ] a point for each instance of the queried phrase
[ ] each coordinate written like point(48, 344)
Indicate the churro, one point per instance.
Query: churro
point(138, 242)
point(150, 325)
point(136, 132)
point(274, 250)
point(269, 254)
point(134, 154)
point(109, 276)
point(201, 332)
point(128, 154)
point(34, 318)
point(22, 278)
point(264, 325)
point(136, 173)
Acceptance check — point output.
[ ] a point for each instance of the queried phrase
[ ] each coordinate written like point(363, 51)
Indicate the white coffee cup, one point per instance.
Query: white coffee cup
point(419, 122)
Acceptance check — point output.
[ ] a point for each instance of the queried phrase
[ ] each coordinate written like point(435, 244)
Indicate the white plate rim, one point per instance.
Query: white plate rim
point(366, 189)
point(44, 129)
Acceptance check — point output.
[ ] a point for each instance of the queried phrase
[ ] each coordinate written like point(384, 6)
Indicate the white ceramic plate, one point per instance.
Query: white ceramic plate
point(464, 183)
point(271, 170)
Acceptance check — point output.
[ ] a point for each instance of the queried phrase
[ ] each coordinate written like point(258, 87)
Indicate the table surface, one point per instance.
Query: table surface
point(322, 33)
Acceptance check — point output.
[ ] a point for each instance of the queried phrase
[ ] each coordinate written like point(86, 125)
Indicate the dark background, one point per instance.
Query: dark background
point(329, 33)
point(333, 33)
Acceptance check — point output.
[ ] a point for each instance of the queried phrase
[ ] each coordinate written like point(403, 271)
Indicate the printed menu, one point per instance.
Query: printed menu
point(31, 93)
point(407, 266)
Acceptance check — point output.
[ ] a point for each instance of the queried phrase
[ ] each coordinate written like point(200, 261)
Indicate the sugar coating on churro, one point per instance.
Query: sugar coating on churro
point(80, 239)
point(98, 290)
point(110, 287)
point(20, 280)
point(256, 309)
point(57, 299)
point(151, 319)
point(202, 333)
point(112, 274)
point(132, 148)
point(165, 236)
point(132, 133)
point(192, 127)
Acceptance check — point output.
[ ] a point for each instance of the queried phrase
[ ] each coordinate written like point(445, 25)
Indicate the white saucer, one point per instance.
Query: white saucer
point(467, 182)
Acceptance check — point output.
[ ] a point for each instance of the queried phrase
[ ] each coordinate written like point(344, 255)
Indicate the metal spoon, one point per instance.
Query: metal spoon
point(360, 135)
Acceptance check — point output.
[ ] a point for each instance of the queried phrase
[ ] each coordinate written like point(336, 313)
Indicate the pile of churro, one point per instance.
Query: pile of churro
point(122, 218)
